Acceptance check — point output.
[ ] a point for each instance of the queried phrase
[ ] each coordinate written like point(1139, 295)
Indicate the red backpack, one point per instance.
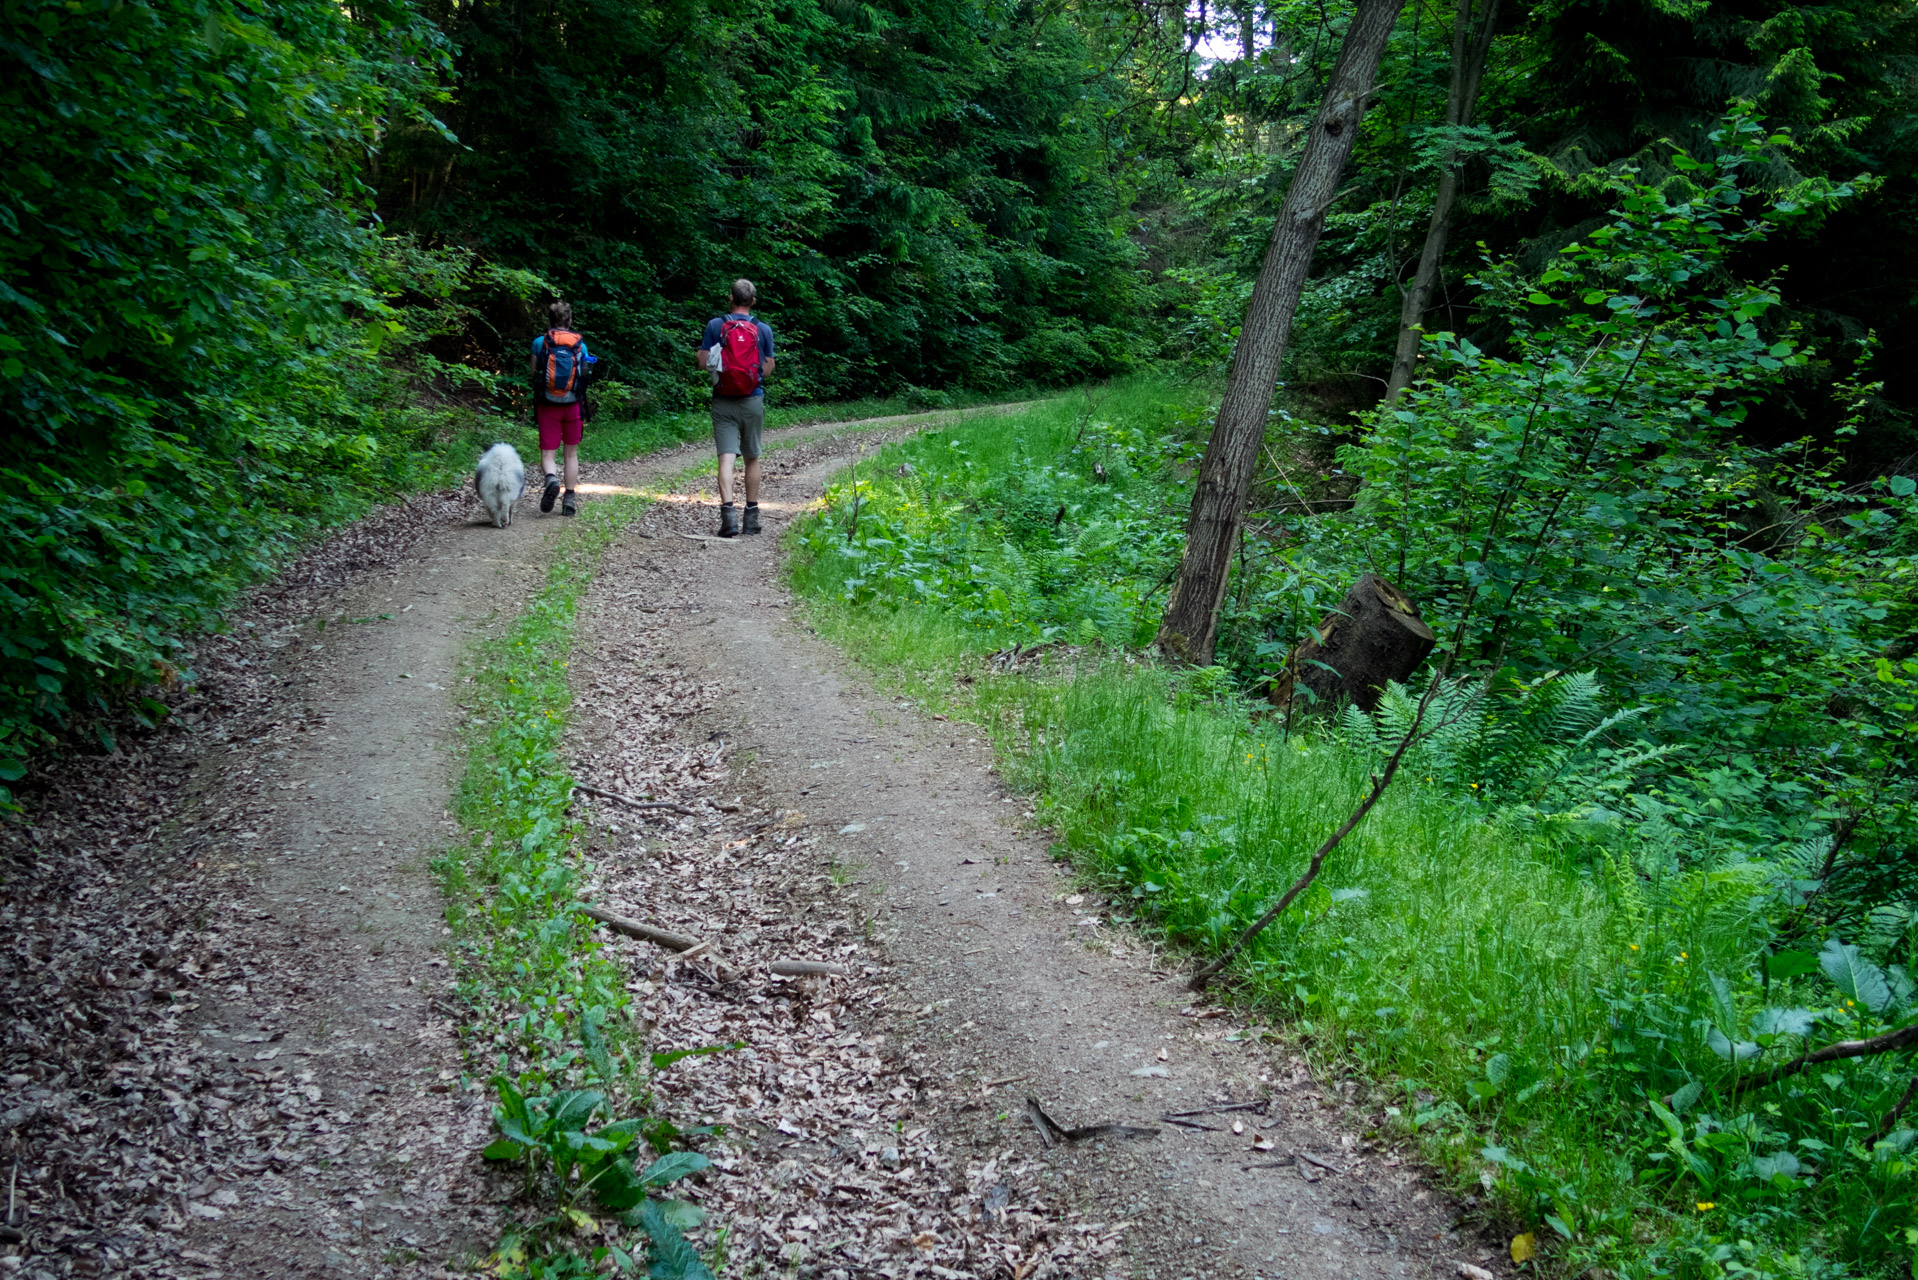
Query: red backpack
point(560, 366)
point(738, 357)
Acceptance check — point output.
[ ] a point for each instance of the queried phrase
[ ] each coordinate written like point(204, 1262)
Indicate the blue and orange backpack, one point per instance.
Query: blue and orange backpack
point(562, 367)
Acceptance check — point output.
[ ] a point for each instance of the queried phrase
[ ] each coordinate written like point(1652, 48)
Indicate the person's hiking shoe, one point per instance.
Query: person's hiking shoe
point(751, 522)
point(551, 495)
point(728, 521)
point(570, 507)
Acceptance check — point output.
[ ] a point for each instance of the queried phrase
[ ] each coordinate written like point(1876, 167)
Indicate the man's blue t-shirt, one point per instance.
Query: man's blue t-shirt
point(716, 326)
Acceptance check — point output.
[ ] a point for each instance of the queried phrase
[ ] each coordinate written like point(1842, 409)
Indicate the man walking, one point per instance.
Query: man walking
point(560, 364)
point(737, 350)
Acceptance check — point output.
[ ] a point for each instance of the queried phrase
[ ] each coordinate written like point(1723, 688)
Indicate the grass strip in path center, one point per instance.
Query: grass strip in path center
point(545, 999)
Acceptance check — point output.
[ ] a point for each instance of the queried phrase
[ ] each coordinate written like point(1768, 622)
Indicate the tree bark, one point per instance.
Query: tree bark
point(1189, 628)
point(1471, 45)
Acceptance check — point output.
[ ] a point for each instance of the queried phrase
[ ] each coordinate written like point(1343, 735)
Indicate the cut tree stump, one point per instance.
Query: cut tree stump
point(1375, 635)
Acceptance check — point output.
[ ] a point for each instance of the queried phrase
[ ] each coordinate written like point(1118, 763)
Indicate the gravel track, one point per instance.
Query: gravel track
point(227, 1044)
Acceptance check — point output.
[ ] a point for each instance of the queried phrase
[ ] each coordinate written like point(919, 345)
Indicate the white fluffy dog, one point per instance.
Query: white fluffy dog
point(500, 479)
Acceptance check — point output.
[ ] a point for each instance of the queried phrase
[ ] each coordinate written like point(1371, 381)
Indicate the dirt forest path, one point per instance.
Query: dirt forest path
point(226, 1045)
point(230, 1045)
point(983, 978)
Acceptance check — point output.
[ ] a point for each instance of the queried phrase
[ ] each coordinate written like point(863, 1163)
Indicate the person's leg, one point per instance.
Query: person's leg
point(753, 420)
point(569, 505)
point(726, 442)
point(573, 430)
point(546, 417)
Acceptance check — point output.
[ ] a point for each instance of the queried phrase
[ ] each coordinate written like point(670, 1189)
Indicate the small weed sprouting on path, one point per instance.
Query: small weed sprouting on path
point(547, 1003)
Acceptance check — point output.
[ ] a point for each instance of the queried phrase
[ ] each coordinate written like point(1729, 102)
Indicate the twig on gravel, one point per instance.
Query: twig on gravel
point(1043, 1123)
point(805, 968)
point(635, 929)
point(637, 804)
point(1190, 1124)
point(1051, 1130)
point(1213, 1111)
point(1326, 1165)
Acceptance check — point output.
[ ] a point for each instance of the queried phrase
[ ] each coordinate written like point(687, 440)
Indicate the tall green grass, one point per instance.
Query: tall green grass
point(1517, 996)
point(1472, 969)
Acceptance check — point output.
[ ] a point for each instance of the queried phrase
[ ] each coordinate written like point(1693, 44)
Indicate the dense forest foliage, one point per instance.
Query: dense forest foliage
point(228, 227)
point(263, 265)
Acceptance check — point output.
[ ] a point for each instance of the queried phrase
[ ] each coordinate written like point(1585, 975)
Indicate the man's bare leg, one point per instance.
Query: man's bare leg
point(752, 479)
point(726, 476)
point(572, 466)
point(549, 462)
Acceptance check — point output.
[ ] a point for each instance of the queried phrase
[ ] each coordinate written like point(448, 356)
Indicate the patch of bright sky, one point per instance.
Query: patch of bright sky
point(1219, 46)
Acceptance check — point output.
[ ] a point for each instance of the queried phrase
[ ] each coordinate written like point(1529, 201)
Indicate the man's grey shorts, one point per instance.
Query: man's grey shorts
point(736, 424)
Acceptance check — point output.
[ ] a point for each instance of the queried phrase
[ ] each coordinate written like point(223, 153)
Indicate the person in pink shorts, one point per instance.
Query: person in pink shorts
point(559, 368)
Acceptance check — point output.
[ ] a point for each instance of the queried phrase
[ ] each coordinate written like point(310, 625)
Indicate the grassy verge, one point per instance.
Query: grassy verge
point(1534, 1009)
point(546, 1001)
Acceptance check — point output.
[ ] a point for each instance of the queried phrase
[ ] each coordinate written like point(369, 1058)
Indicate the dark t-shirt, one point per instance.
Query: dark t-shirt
point(716, 326)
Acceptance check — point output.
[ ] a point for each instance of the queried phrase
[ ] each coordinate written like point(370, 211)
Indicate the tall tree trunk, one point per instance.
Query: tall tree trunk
point(1471, 44)
point(1190, 625)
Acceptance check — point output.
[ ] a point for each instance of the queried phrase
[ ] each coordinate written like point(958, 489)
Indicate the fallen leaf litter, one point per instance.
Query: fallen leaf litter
point(827, 1162)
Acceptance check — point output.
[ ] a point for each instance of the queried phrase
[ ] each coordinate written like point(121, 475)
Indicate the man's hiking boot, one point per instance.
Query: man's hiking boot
point(728, 521)
point(570, 507)
point(551, 494)
point(751, 522)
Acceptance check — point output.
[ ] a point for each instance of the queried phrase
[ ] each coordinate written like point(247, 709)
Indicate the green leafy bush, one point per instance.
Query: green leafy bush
point(924, 191)
point(187, 328)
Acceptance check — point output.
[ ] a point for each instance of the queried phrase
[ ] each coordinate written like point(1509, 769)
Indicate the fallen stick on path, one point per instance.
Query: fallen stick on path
point(1213, 1111)
point(805, 968)
point(1326, 1165)
point(628, 800)
point(1052, 1132)
point(688, 948)
point(637, 929)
